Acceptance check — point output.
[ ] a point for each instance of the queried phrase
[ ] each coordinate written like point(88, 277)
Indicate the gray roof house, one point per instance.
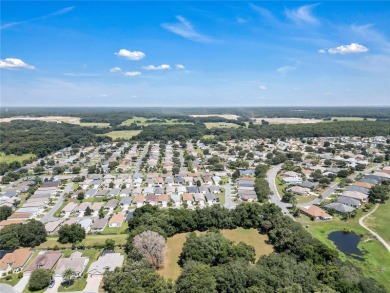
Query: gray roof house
point(125, 201)
point(349, 201)
point(339, 207)
point(358, 189)
point(76, 262)
point(106, 263)
point(211, 198)
point(98, 225)
point(90, 193)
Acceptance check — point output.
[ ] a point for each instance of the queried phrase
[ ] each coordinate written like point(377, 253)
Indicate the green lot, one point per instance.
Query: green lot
point(10, 158)
point(89, 241)
point(125, 134)
point(352, 119)
point(379, 221)
point(95, 124)
point(141, 121)
point(210, 125)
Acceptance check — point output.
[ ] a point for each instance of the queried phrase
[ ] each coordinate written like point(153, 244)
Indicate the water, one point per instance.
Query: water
point(347, 243)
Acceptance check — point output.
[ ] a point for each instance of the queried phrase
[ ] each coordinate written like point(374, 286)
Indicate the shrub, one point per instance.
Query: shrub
point(8, 277)
point(20, 275)
point(39, 279)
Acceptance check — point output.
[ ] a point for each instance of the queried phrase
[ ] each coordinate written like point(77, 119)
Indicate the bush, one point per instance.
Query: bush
point(39, 279)
point(20, 275)
point(8, 277)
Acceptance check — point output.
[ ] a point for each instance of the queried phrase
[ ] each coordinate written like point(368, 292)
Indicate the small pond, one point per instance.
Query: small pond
point(347, 243)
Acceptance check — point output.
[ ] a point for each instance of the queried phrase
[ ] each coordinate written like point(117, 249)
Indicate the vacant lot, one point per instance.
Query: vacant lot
point(147, 121)
point(10, 158)
point(125, 134)
point(226, 116)
point(379, 221)
point(95, 124)
point(210, 125)
point(352, 119)
point(287, 120)
point(73, 120)
point(175, 245)
point(90, 240)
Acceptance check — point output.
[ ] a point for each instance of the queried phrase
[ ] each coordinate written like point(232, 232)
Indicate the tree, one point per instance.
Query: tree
point(88, 211)
point(236, 174)
point(196, 278)
point(39, 279)
point(9, 238)
point(32, 234)
point(71, 233)
point(5, 212)
point(68, 275)
point(80, 196)
point(101, 213)
point(379, 193)
point(109, 244)
point(152, 246)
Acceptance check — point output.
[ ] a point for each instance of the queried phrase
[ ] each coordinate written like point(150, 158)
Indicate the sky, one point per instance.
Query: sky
point(195, 53)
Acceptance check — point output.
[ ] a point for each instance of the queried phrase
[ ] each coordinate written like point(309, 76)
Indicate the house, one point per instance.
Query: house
point(299, 190)
point(247, 195)
point(114, 192)
point(97, 206)
point(211, 198)
point(159, 190)
point(51, 227)
point(15, 261)
point(363, 184)
point(125, 192)
point(125, 201)
point(105, 263)
point(292, 180)
point(99, 225)
point(82, 207)
point(162, 200)
point(112, 204)
point(316, 213)
point(214, 189)
point(181, 190)
point(138, 200)
point(187, 197)
point(76, 262)
point(199, 198)
point(308, 184)
point(358, 189)
point(203, 189)
point(90, 193)
point(217, 180)
point(85, 223)
point(69, 208)
point(116, 220)
point(339, 207)
point(151, 199)
point(170, 190)
point(44, 260)
point(192, 189)
point(176, 199)
point(5, 223)
point(352, 202)
point(357, 195)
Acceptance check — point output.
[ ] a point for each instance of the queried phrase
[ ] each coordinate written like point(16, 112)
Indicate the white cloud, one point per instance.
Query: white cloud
point(132, 73)
point(13, 63)
point(322, 51)
point(115, 70)
point(261, 98)
point(131, 55)
point(179, 66)
point(303, 14)
point(160, 67)
point(186, 30)
point(262, 87)
point(348, 49)
point(285, 69)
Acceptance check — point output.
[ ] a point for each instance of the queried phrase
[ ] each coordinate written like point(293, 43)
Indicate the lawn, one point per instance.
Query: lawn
point(125, 134)
point(210, 125)
point(352, 119)
point(11, 282)
point(377, 258)
point(280, 185)
point(80, 283)
point(175, 244)
point(10, 158)
point(89, 241)
point(379, 221)
point(305, 199)
point(116, 230)
point(95, 124)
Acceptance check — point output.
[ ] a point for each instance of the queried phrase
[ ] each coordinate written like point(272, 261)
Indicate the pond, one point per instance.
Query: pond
point(347, 243)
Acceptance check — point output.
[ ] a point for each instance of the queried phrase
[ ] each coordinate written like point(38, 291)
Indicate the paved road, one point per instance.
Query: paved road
point(137, 167)
point(181, 157)
point(275, 196)
point(21, 285)
point(49, 217)
point(361, 222)
point(228, 196)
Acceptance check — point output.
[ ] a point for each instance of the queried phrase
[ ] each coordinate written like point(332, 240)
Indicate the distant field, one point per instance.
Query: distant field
point(93, 124)
point(379, 221)
point(287, 120)
point(352, 119)
point(208, 136)
point(210, 125)
point(142, 121)
point(10, 158)
point(226, 116)
point(66, 119)
point(175, 245)
point(125, 134)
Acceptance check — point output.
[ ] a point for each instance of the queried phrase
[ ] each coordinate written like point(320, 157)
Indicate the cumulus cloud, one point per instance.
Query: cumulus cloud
point(322, 51)
point(132, 73)
point(303, 14)
point(348, 49)
point(160, 67)
point(262, 87)
point(115, 70)
point(179, 66)
point(14, 63)
point(131, 55)
point(285, 69)
point(186, 30)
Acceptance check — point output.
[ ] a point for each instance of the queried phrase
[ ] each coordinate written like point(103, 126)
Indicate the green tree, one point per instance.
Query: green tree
point(101, 213)
point(109, 244)
point(9, 238)
point(88, 211)
point(71, 233)
point(68, 275)
point(379, 193)
point(80, 196)
point(39, 279)
point(196, 278)
point(5, 212)
point(32, 234)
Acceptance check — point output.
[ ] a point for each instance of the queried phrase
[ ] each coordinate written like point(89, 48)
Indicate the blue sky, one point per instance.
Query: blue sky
point(195, 53)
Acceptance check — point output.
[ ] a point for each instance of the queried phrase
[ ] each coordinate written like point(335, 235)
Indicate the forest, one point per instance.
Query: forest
point(211, 263)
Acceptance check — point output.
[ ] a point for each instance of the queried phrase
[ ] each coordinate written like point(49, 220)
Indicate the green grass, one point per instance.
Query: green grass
point(221, 197)
point(10, 158)
point(116, 230)
point(142, 121)
point(26, 290)
point(175, 244)
point(11, 282)
point(379, 221)
point(376, 262)
point(93, 124)
point(352, 119)
point(210, 125)
point(89, 241)
point(80, 283)
point(208, 136)
point(305, 199)
point(280, 185)
point(125, 134)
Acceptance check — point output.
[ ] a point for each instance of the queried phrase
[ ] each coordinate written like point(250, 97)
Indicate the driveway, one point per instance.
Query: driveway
point(21, 285)
point(93, 283)
point(58, 281)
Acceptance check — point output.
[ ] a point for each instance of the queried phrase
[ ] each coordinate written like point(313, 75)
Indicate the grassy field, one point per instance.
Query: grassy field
point(379, 221)
point(305, 199)
point(11, 282)
point(208, 136)
point(376, 262)
point(95, 124)
point(352, 119)
point(90, 240)
point(10, 158)
point(116, 230)
point(80, 283)
point(125, 134)
point(142, 121)
point(175, 244)
point(280, 185)
point(210, 125)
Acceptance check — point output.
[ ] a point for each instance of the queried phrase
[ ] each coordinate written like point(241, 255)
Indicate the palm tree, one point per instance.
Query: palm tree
point(68, 275)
